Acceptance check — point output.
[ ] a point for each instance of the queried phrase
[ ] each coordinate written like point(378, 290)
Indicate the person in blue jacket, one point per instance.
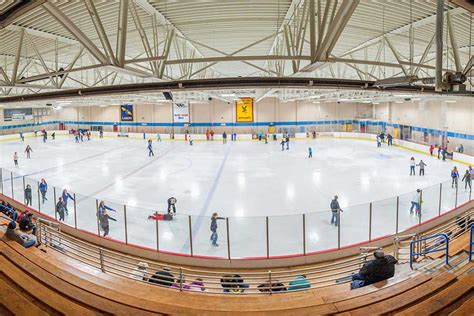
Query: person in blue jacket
point(310, 152)
point(299, 283)
point(65, 197)
point(102, 207)
point(43, 187)
point(454, 177)
point(150, 149)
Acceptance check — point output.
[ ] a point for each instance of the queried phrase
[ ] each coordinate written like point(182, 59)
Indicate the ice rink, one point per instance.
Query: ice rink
point(244, 180)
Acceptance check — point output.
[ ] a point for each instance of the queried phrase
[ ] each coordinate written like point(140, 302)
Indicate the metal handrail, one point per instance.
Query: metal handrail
point(424, 252)
point(258, 282)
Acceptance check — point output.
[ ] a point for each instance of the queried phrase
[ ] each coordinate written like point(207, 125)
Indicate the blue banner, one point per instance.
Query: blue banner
point(126, 112)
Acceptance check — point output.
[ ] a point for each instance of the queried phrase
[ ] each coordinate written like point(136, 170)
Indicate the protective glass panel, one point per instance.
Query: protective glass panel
point(18, 189)
point(247, 237)
point(320, 233)
point(407, 213)
point(448, 196)
point(354, 224)
point(286, 235)
point(87, 214)
point(174, 234)
point(141, 230)
point(7, 182)
point(384, 218)
point(430, 202)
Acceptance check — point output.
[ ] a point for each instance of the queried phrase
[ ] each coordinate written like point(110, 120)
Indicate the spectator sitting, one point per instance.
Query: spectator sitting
point(140, 272)
point(299, 283)
point(233, 284)
point(9, 211)
point(382, 268)
point(181, 284)
point(163, 277)
point(274, 286)
point(197, 285)
point(21, 215)
point(26, 223)
point(25, 239)
point(226, 283)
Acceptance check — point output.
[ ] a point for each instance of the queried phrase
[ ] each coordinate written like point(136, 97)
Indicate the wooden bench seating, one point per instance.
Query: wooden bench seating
point(456, 246)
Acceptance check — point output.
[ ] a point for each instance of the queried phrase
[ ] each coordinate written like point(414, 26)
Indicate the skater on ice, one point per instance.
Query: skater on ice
point(422, 166)
point(66, 196)
point(214, 235)
point(224, 137)
point(336, 210)
point(416, 202)
point(454, 177)
point(102, 207)
point(15, 159)
point(389, 140)
point(104, 222)
point(60, 209)
point(282, 143)
point(467, 180)
point(43, 188)
point(172, 205)
point(310, 152)
point(412, 166)
point(150, 148)
point(28, 195)
point(28, 151)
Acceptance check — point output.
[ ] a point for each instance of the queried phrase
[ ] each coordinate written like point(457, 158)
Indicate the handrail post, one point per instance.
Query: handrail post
point(181, 279)
point(24, 197)
point(419, 212)
point(1, 180)
point(11, 181)
point(370, 221)
point(190, 235)
point(440, 193)
point(338, 221)
point(75, 211)
point(228, 237)
point(39, 197)
point(398, 209)
point(456, 199)
point(157, 235)
point(54, 204)
point(267, 237)
point(304, 234)
point(101, 260)
point(125, 222)
point(97, 216)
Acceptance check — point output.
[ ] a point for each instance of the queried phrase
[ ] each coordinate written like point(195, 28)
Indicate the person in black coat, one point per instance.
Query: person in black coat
point(163, 277)
point(26, 223)
point(382, 268)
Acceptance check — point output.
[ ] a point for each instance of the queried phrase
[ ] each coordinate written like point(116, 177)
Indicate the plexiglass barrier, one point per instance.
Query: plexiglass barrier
point(236, 237)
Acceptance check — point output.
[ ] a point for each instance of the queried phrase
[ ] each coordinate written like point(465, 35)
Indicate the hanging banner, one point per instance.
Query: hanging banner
point(244, 110)
point(181, 112)
point(126, 112)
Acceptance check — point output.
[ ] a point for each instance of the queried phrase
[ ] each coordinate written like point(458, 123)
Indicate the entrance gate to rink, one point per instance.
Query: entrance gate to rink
point(243, 237)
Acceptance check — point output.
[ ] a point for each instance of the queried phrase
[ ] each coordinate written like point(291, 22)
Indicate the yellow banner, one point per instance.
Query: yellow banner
point(244, 110)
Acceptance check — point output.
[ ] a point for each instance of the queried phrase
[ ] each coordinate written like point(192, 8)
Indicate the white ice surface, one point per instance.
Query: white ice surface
point(244, 180)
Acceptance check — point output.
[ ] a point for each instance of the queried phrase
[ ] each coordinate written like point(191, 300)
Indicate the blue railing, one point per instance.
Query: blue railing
point(471, 242)
point(424, 252)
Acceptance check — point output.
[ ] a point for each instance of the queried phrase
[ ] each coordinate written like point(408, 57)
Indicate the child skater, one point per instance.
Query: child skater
point(28, 151)
point(150, 149)
point(15, 159)
point(310, 152)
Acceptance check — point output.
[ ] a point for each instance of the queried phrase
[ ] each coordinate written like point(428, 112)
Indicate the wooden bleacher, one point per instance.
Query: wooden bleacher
point(42, 281)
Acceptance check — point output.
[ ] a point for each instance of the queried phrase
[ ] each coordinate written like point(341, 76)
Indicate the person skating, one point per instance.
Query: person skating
point(336, 210)
point(454, 177)
point(45, 136)
point(104, 222)
point(190, 141)
point(158, 137)
point(467, 180)
point(382, 137)
point(66, 196)
point(102, 207)
point(287, 140)
point(15, 159)
point(172, 205)
point(422, 166)
point(282, 143)
point(439, 151)
point(224, 137)
point(214, 235)
point(389, 140)
point(150, 148)
point(60, 209)
point(53, 135)
point(416, 202)
point(412, 166)
point(444, 152)
point(310, 152)
point(431, 150)
point(28, 195)
point(43, 188)
point(379, 142)
point(28, 151)
point(212, 134)
point(101, 133)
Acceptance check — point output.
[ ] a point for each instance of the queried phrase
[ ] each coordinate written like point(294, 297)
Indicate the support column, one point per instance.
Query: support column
point(439, 45)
